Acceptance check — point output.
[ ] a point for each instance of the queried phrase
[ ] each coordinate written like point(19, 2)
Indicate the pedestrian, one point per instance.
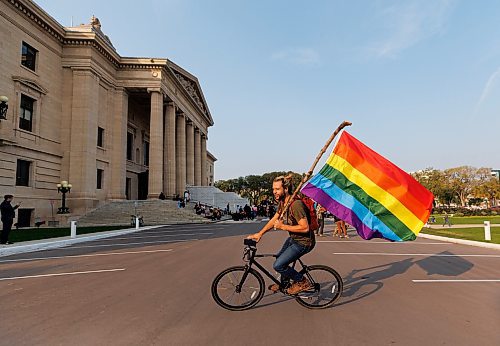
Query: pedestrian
point(320, 214)
point(161, 196)
point(8, 215)
point(447, 220)
point(340, 229)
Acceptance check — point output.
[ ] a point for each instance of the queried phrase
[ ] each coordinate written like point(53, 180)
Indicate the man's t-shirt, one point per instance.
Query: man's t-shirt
point(296, 212)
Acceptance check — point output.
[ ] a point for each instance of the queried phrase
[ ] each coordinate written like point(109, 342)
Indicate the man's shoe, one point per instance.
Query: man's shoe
point(300, 286)
point(274, 288)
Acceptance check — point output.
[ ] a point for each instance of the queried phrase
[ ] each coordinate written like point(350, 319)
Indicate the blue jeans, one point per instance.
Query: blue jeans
point(290, 252)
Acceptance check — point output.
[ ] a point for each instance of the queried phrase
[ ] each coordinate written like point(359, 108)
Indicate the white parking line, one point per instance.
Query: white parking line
point(409, 254)
point(78, 256)
point(456, 280)
point(378, 242)
point(153, 236)
point(180, 231)
point(127, 244)
point(63, 274)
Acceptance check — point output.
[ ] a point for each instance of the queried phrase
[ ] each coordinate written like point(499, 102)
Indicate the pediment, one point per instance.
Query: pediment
point(193, 88)
point(30, 83)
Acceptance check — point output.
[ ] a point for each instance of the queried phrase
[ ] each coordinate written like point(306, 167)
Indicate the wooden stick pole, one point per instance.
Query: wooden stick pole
point(309, 173)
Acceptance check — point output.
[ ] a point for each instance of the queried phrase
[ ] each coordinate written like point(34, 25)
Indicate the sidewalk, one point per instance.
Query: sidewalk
point(474, 225)
point(53, 243)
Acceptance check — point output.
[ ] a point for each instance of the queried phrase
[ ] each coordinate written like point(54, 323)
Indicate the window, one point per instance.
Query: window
point(100, 137)
point(23, 173)
point(130, 144)
point(100, 174)
point(28, 56)
point(26, 113)
point(146, 153)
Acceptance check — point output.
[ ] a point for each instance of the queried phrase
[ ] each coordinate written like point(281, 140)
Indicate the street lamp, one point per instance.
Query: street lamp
point(63, 187)
point(3, 107)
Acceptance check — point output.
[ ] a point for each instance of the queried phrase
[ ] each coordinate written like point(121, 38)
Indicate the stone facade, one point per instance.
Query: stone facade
point(115, 127)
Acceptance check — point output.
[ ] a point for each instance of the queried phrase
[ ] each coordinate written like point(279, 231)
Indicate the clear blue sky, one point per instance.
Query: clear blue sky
point(418, 79)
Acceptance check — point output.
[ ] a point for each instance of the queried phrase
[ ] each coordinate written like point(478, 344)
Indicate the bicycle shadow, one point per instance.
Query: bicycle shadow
point(356, 283)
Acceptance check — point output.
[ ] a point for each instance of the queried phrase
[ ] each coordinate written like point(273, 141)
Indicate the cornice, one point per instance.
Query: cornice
point(30, 83)
point(40, 18)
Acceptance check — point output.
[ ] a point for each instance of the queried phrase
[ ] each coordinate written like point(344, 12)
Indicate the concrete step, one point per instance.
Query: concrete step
point(153, 212)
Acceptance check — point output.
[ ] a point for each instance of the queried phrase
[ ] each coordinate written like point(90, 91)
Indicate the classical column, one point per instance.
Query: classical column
point(118, 131)
point(155, 177)
point(83, 139)
point(169, 162)
point(204, 181)
point(197, 156)
point(189, 153)
point(180, 154)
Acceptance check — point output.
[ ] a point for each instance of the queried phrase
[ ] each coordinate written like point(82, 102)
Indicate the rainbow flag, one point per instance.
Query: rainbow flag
point(370, 193)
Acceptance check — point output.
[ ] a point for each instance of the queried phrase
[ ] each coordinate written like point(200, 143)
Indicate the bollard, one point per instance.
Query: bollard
point(73, 229)
point(487, 231)
point(136, 222)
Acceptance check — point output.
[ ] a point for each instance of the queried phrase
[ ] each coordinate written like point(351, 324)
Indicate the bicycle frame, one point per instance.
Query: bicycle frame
point(250, 254)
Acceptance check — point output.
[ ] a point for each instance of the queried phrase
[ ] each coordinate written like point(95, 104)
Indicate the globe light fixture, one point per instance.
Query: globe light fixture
point(63, 187)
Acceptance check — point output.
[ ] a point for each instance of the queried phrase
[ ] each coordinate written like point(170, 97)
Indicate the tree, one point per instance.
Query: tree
point(254, 187)
point(489, 189)
point(465, 179)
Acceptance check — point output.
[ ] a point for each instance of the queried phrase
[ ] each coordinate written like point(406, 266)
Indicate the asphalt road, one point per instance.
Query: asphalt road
point(153, 287)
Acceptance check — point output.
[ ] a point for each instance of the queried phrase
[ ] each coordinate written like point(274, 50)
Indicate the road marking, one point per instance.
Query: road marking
point(154, 236)
point(77, 256)
point(63, 274)
point(378, 242)
point(179, 231)
point(409, 254)
point(457, 280)
point(127, 244)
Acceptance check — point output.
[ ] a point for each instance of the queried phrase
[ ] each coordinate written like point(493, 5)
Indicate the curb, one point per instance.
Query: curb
point(47, 245)
point(460, 241)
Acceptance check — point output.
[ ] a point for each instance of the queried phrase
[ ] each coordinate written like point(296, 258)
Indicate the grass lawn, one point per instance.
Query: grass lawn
point(476, 233)
point(20, 235)
point(464, 220)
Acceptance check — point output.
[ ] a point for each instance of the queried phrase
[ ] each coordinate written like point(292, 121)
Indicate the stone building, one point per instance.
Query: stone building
point(114, 127)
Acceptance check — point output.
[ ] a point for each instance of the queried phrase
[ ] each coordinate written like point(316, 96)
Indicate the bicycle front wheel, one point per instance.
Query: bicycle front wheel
point(231, 293)
point(327, 289)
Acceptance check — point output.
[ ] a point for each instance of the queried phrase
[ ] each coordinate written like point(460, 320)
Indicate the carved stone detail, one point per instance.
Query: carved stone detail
point(192, 89)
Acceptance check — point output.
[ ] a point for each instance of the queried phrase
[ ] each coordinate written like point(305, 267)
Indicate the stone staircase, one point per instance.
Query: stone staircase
point(153, 212)
point(213, 196)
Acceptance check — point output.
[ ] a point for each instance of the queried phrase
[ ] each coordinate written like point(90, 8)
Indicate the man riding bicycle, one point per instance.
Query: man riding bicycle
point(301, 241)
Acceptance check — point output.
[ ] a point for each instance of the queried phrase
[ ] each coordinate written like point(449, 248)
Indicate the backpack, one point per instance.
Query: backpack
point(313, 219)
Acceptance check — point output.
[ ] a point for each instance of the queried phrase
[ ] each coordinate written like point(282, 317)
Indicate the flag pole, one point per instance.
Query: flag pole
point(309, 173)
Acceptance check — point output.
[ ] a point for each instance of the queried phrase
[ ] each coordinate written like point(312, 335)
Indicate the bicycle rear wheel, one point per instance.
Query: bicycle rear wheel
point(328, 286)
point(229, 292)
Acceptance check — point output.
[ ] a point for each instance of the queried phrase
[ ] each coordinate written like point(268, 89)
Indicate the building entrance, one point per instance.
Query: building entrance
point(142, 192)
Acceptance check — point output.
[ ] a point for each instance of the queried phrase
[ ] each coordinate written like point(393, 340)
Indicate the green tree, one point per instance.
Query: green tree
point(489, 189)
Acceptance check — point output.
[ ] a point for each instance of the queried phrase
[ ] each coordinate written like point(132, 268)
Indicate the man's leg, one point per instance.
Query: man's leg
point(288, 256)
point(5, 232)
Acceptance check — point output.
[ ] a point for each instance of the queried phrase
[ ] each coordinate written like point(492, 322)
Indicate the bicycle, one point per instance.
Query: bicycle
point(242, 287)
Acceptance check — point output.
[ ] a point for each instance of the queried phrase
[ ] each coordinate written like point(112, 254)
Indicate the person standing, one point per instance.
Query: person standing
point(320, 214)
point(8, 215)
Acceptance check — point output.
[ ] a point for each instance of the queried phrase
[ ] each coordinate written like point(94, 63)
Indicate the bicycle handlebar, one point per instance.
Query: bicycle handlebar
point(249, 242)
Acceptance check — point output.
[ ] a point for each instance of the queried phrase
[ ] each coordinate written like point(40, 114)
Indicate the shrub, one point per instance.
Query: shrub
point(459, 214)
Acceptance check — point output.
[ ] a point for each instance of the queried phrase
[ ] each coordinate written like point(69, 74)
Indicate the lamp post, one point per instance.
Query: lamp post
point(63, 188)
point(3, 107)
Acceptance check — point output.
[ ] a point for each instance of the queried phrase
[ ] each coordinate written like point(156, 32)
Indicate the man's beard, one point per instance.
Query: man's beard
point(280, 198)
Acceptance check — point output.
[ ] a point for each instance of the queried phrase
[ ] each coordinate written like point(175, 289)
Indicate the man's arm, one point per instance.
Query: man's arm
point(302, 227)
point(267, 227)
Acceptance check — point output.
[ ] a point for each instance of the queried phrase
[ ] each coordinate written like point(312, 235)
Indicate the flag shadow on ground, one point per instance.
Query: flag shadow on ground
point(361, 283)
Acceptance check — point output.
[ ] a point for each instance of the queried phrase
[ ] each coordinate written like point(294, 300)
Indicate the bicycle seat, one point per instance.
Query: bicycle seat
point(249, 242)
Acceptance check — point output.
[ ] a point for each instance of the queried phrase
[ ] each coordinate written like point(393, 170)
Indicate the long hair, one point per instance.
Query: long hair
point(286, 182)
